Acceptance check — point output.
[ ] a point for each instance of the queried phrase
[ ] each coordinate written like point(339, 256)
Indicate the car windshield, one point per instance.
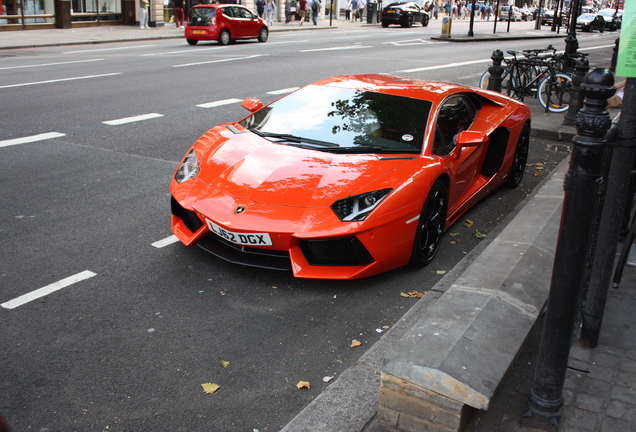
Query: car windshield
point(587, 17)
point(338, 119)
point(607, 13)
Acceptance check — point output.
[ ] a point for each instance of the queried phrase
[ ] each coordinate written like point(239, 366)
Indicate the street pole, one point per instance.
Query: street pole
point(582, 187)
point(571, 42)
point(539, 18)
point(472, 19)
point(617, 187)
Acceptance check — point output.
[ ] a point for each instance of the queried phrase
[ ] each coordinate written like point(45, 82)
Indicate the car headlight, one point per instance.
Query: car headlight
point(358, 207)
point(189, 168)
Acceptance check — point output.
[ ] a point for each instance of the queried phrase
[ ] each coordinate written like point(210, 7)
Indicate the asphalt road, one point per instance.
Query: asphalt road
point(128, 347)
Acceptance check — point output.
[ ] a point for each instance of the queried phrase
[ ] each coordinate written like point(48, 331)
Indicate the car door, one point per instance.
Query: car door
point(251, 23)
point(456, 114)
point(239, 22)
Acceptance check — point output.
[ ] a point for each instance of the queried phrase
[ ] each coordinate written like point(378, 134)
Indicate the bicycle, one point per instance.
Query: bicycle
point(530, 53)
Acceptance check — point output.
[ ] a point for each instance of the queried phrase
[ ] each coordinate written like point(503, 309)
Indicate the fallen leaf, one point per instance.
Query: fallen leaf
point(468, 223)
point(403, 294)
point(303, 384)
point(537, 174)
point(210, 388)
point(355, 343)
point(454, 234)
point(327, 378)
point(385, 327)
point(225, 363)
point(441, 272)
point(417, 294)
point(478, 235)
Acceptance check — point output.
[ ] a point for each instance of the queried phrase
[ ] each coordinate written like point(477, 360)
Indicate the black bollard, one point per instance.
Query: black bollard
point(576, 95)
point(582, 192)
point(496, 71)
point(616, 196)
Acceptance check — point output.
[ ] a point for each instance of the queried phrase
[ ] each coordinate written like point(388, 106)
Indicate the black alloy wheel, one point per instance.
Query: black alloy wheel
point(431, 224)
point(521, 158)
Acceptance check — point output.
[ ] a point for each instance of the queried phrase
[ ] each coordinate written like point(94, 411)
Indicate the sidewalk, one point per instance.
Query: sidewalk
point(121, 33)
point(600, 387)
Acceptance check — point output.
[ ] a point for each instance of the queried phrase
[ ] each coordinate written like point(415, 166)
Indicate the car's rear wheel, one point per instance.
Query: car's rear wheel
point(385, 24)
point(425, 21)
point(224, 37)
point(263, 34)
point(431, 224)
point(521, 158)
point(192, 41)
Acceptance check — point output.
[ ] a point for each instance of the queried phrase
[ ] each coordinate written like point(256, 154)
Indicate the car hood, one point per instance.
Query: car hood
point(244, 165)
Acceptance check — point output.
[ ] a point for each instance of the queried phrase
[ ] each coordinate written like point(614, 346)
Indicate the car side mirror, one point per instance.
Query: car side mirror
point(252, 104)
point(469, 139)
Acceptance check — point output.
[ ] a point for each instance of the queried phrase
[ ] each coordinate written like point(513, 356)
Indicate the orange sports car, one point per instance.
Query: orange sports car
point(348, 177)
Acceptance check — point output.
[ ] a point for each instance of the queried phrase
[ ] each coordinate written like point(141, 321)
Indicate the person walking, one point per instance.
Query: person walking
point(354, 10)
point(315, 11)
point(287, 13)
point(143, 14)
point(177, 9)
point(436, 10)
point(260, 8)
point(270, 11)
point(302, 10)
point(293, 9)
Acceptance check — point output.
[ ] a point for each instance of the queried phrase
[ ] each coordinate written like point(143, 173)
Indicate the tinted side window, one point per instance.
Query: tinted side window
point(227, 11)
point(455, 115)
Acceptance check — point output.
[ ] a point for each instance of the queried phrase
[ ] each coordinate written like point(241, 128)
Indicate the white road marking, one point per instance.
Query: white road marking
point(49, 64)
point(219, 103)
point(337, 48)
point(125, 120)
point(108, 49)
point(220, 61)
point(59, 80)
point(165, 242)
point(38, 293)
point(287, 42)
point(283, 91)
point(189, 51)
point(30, 139)
point(412, 42)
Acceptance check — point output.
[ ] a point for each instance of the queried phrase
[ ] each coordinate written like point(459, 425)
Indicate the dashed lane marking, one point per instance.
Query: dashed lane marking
point(165, 242)
point(125, 120)
point(283, 91)
point(30, 139)
point(59, 80)
point(219, 103)
point(220, 61)
point(44, 291)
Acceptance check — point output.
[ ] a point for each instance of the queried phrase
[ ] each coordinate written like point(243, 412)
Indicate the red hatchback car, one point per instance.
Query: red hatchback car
point(224, 23)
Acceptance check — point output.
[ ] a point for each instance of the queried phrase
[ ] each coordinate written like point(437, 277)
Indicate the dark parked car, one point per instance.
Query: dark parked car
point(613, 20)
point(404, 14)
point(224, 23)
point(590, 22)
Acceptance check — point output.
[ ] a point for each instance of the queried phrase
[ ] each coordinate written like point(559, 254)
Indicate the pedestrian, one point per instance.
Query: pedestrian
point(260, 7)
point(287, 13)
point(270, 11)
point(348, 11)
point(315, 11)
point(436, 10)
point(177, 8)
point(362, 5)
point(354, 9)
point(447, 8)
point(302, 10)
point(143, 14)
point(489, 11)
point(293, 6)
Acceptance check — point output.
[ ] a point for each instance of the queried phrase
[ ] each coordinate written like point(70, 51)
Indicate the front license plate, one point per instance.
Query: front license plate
point(391, 11)
point(198, 31)
point(245, 239)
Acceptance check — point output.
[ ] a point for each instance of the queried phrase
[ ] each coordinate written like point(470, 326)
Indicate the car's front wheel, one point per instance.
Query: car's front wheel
point(521, 158)
point(408, 23)
point(224, 37)
point(431, 224)
point(192, 41)
point(263, 34)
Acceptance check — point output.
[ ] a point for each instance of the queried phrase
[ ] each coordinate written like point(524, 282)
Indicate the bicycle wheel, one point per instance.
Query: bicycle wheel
point(558, 89)
point(485, 79)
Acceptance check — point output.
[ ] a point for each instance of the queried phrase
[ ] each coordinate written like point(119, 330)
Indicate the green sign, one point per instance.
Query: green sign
point(626, 62)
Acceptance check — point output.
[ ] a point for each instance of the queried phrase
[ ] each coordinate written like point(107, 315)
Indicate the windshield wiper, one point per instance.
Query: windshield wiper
point(293, 138)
